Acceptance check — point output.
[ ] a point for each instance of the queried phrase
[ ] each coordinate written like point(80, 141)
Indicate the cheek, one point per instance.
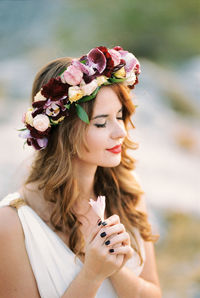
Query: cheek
point(96, 140)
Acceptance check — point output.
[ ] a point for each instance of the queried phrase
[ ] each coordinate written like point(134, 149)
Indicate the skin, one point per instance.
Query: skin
point(98, 262)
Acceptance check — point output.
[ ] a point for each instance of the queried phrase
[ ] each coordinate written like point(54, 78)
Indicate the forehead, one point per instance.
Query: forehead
point(106, 100)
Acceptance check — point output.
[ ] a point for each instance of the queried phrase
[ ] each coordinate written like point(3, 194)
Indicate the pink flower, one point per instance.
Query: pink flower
point(116, 57)
point(130, 59)
point(72, 76)
point(99, 206)
point(88, 70)
point(89, 88)
point(41, 122)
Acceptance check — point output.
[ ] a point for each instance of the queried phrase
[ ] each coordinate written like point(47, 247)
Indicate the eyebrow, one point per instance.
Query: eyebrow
point(104, 115)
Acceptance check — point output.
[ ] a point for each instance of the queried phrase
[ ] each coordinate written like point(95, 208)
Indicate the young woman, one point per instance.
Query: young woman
point(53, 243)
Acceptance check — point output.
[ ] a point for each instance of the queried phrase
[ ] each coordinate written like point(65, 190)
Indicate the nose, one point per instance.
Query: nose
point(119, 131)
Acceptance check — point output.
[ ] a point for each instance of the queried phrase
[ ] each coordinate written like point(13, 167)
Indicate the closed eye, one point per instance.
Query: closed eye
point(104, 124)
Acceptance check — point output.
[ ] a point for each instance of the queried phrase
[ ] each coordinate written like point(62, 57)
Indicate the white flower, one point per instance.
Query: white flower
point(89, 88)
point(130, 78)
point(101, 80)
point(99, 206)
point(74, 93)
point(41, 122)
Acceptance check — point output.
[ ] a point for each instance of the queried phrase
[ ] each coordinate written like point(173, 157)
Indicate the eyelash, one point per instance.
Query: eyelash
point(104, 125)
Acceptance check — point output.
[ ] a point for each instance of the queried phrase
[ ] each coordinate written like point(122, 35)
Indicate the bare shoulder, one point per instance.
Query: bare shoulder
point(16, 276)
point(9, 220)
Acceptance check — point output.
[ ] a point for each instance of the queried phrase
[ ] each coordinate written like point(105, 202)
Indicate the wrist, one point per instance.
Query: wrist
point(117, 273)
point(89, 276)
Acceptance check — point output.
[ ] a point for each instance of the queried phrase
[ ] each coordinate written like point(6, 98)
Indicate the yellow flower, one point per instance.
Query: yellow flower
point(120, 74)
point(59, 120)
point(75, 93)
point(28, 117)
point(101, 80)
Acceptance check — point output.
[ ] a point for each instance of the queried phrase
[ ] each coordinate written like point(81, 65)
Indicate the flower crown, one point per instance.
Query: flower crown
point(79, 82)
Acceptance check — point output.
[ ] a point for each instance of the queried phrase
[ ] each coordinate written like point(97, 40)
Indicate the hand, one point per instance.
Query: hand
point(120, 241)
point(99, 262)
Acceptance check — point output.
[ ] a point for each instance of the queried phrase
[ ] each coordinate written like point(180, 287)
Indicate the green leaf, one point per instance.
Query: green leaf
point(89, 97)
point(67, 106)
point(82, 113)
point(107, 83)
point(61, 72)
point(83, 61)
point(116, 80)
point(21, 129)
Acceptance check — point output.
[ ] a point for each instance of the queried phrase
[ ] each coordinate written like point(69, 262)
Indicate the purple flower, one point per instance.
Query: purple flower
point(97, 59)
point(86, 69)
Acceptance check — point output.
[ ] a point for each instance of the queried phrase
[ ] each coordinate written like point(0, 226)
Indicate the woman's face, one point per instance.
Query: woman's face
point(105, 131)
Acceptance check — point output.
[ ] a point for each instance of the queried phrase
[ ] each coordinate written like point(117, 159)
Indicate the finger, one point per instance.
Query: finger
point(95, 230)
point(107, 232)
point(125, 250)
point(110, 230)
point(112, 220)
point(122, 238)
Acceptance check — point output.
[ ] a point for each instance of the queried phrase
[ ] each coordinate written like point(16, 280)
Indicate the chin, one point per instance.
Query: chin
point(111, 164)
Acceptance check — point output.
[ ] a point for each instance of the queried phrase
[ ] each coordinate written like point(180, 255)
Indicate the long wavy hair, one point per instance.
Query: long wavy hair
point(52, 169)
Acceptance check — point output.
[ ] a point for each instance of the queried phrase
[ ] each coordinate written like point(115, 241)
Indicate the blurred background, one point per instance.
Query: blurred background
point(164, 35)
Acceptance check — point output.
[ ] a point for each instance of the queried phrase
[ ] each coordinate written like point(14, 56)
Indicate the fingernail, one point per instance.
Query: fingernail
point(103, 234)
point(111, 250)
point(100, 223)
point(107, 242)
point(104, 223)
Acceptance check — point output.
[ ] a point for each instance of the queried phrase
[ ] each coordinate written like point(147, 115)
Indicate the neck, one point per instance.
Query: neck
point(84, 174)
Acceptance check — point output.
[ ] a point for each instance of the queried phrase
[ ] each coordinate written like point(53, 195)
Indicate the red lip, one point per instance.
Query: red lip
point(116, 149)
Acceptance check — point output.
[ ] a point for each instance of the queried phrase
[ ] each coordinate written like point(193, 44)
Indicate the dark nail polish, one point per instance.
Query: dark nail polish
point(103, 234)
point(104, 223)
point(111, 250)
point(107, 242)
point(100, 223)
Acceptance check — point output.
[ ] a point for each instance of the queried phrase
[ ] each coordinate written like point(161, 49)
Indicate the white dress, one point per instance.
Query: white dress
point(52, 261)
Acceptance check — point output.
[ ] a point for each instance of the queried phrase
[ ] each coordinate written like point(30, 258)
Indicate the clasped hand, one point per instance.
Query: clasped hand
point(107, 249)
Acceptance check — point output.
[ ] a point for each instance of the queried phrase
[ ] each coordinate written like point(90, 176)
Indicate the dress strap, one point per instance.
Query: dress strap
point(17, 203)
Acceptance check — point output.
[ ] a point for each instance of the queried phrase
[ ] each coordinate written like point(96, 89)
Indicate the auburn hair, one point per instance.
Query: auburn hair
point(53, 171)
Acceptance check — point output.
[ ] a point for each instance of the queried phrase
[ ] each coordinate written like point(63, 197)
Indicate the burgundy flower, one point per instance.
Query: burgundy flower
point(117, 48)
point(54, 89)
point(97, 59)
point(37, 112)
point(38, 104)
point(38, 134)
point(110, 63)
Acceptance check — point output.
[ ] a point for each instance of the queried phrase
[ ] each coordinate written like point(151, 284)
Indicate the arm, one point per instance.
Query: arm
point(16, 277)
point(147, 284)
point(83, 284)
